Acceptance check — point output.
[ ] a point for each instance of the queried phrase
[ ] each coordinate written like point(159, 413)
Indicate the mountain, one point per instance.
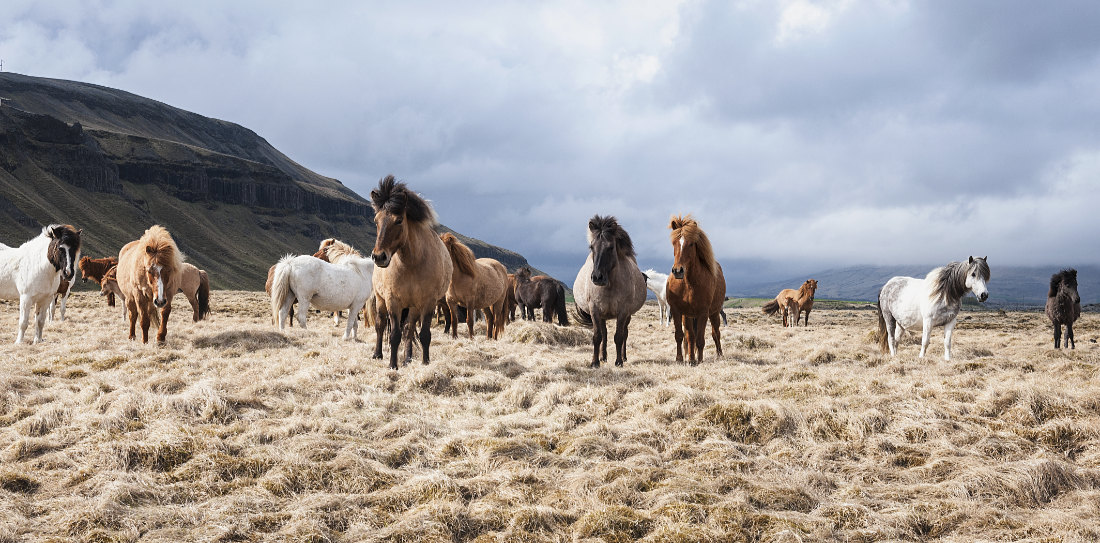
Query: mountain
point(114, 163)
point(1008, 285)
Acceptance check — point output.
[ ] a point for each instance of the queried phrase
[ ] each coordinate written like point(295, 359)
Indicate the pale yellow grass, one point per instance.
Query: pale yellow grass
point(233, 431)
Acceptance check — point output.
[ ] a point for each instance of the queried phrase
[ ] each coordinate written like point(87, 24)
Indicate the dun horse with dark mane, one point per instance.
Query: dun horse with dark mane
point(412, 268)
point(476, 283)
point(696, 289)
point(1064, 305)
point(149, 276)
point(608, 286)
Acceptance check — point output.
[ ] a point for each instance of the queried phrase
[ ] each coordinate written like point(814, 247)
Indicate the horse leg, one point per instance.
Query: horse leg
point(948, 329)
point(678, 331)
point(621, 324)
point(351, 331)
point(26, 305)
point(39, 323)
point(807, 321)
point(379, 329)
point(1057, 335)
point(715, 322)
point(395, 337)
point(145, 320)
point(597, 338)
point(700, 336)
point(471, 318)
point(132, 310)
point(162, 330)
point(64, 302)
point(490, 322)
point(926, 335)
point(194, 301)
point(303, 312)
point(1069, 336)
point(425, 335)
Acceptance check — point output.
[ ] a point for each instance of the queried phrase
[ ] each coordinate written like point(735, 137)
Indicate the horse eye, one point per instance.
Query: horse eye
point(399, 220)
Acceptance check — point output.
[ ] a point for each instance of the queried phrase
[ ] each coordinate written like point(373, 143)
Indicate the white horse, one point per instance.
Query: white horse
point(906, 302)
point(345, 283)
point(32, 272)
point(657, 283)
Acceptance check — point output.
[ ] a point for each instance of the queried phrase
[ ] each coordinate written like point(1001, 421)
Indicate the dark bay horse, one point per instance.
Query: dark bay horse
point(1064, 305)
point(608, 286)
point(412, 268)
point(696, 288)
point(540, 291)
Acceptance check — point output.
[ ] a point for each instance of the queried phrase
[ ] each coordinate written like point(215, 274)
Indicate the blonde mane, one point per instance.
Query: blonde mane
point(685, 228)
point(463, 257)
point(161, 248)
point(336, 249)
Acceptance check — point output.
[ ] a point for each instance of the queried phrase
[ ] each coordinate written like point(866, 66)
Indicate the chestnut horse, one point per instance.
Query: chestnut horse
point(803, 299)
point(696, 288)
point(195, 285)
point(475, 284)
point(608, 286)
point(412, 267)
point(95, 269)
point(108, 286)
point(149, 276)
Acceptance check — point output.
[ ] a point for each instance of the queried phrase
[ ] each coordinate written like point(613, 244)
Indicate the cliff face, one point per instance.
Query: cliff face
point(115, 163)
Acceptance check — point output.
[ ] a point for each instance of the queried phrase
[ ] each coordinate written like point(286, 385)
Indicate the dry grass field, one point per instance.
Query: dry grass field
point(234, 432)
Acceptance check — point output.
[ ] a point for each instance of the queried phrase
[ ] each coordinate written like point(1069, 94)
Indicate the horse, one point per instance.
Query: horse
point(907, 302)
point(480, 283)
point(108, 286)
point(271, 277)
point(95, 269)
point(195, 285)
point(540, 291)
point(412, 267)
point(64, 287)
point(148, 275)
point(657, 283)
point(608, 286)
point(1063, 305)
point(510, 302)
point(696, 288)
point(804, 298)
point(32, 272)
point(343, 282)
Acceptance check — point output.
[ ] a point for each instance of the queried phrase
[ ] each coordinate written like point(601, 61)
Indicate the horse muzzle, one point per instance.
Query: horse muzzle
point(159, 302)
point(678, 272)
point(599, 279)
point(68, 274)
point(380, 259)
point(983, 297)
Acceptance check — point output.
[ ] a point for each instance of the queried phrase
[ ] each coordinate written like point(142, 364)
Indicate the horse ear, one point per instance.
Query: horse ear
point(985, 258)
point(592, 225)
point(971, 260)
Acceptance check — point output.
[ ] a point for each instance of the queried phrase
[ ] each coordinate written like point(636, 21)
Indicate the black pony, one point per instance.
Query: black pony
point(540, 291)
point(1063, 305)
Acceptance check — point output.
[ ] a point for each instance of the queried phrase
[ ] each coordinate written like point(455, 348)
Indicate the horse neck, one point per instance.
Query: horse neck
point(416, 246)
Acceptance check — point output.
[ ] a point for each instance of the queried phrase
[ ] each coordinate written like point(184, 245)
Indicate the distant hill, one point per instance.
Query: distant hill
point(114, 163)
point(1008, 286)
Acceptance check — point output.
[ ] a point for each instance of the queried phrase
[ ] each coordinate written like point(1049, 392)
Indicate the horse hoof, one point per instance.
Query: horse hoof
point(619, 364)
point(594, 365)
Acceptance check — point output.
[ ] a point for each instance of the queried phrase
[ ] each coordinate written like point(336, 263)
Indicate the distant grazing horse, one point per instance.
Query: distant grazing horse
point(108, 286)
point(540, 291)
point(195, 285)
point(696, 288)
point(32, 272)
point(608, 286)
point(657, 283)
point(148, 274)
point(412, 267)
point(60, 298)
point(905, 302)
point(793, 302)
point(343, 282)
point(480, 283)
point(95, 269)
point(1064, 305)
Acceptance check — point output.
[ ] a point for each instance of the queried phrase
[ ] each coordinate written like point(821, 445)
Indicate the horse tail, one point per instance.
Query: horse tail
point(280, 286)
point(582, 317)
point(725, 321)
point(559, 307)
point(204, 295)
point(771, 307)
point(883, 339)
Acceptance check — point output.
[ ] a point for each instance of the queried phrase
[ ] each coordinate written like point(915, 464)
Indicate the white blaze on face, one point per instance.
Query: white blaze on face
point(160, 284)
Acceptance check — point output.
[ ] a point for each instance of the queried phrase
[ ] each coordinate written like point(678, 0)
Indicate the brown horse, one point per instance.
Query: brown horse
point(412, 267)
point(510, 303)
point(108, 286)
point(540, 291)
point(803, 299)
point(95, 269)
point(480, 283)
point(695, 290)
point(195, 285)
point(149, 276)
point(608, 286)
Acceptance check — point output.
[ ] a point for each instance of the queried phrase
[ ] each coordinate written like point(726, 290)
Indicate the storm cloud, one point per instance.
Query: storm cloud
point(800, 134)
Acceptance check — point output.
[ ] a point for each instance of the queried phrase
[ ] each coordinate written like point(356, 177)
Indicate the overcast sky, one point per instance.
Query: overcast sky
point(801, 135)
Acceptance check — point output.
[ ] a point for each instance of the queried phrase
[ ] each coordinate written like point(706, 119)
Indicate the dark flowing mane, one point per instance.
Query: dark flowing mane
point(463, 257)
point(949, 282)
point(395, 197)
point(162, 249)
point(608, 229)
point(1066, 277)
point(685, 228)
point(61, 234)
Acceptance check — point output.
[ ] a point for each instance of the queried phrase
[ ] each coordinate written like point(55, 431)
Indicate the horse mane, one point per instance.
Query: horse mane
point(1067, 276)
point(58, 234)
point(608, 228)
point(949, 281)
point(806, 289)
point(322, 250)
point(463, 256)
point(396, 198)
point(334, 249)
point(159, 244)
point(685, 228)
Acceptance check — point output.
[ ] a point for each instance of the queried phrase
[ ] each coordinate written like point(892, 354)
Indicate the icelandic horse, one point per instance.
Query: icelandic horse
point(696, 289)
point(608, 286)
point(1063, 305)
point(32, 273)
point(793, 303)
point(412, 268)
point(148, 274)
point(480, 283)
point(195, 285)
